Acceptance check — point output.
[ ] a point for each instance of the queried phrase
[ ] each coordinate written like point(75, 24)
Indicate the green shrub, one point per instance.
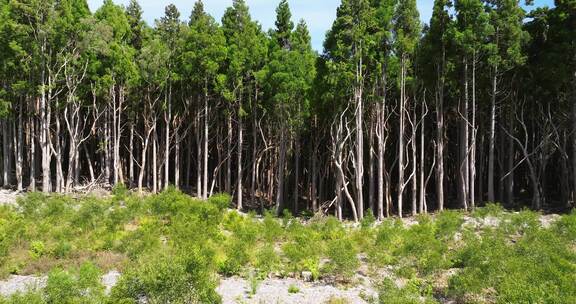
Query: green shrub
point(491, 209)
point(162, 278)
point(293, 289)
point(389, 236)
point(62, 249)
point(271, 228)
point(448, 222)
point(415, 292)
point(221, 201)
point(368, 220)
point(37, 249)
point(423, 248)
point(302, 247)
point(31, 297)
point(61, 287)
point(343, 258)
point(566, 226)
point(267, 261)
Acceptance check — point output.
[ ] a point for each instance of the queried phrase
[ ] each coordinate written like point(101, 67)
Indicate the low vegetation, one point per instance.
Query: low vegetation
point(171, 248)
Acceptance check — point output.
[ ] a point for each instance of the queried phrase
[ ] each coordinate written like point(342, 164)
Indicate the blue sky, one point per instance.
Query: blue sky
point(319, 14)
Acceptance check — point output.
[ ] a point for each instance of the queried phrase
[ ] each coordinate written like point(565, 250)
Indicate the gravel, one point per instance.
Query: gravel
point(237, 290)
point(21, 284)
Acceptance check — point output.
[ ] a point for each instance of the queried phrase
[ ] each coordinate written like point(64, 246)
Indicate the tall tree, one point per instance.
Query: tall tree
point(407, 32)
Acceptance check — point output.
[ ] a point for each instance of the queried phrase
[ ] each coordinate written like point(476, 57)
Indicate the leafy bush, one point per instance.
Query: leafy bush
point(448, 222)
point(293, 289)
point(37, 249)
point(343, 258)
point(220, 200)
point(267, 261)
point(163, 278)
point(423, 248)
point(415, 292)
point(303, 247)
point(491, 209)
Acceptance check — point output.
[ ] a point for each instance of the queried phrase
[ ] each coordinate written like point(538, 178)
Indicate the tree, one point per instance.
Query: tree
point(204, 51)
point(245, 50)
point(407, 32)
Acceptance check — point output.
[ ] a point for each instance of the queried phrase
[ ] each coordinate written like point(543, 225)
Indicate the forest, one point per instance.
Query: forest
point(394, 117)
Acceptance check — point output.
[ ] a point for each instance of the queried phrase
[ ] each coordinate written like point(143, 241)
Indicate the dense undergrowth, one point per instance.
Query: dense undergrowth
point(170, 248)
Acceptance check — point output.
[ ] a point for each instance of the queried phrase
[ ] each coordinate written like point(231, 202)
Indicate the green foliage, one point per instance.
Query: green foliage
point(415, 292)
point(532, 264)
point(302, 248)
point(163, 278)
point(343, 258)
point(37, 249)
point(221, 201)
point(491, 209)
point(293, 289)
point(448, 223)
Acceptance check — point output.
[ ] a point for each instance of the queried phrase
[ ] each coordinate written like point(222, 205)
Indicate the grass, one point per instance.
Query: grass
point(171, 248)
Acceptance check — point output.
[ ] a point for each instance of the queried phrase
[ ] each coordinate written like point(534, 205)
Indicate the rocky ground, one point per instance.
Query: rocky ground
point(290, 291)
point(21, 284)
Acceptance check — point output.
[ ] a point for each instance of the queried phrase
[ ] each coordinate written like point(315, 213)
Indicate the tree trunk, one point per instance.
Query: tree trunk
point(155, 159)
point(472, 182)
point(414, 174)
point(359, 145)
point(228, 183)
point(167, 120)
point(18, 144)
point(296, 173)
point(492, 139)
point(240, 148)
point(206, 142)
point(422, 197)
point(440, 132)
point(32, 153)
point(198, 156)
point(371, 165)
point(401, 135)
point(281, 167)
point(463, 174)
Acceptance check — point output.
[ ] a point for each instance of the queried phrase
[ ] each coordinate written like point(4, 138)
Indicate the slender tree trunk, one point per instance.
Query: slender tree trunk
point(177, 158)
point(296, 172)
point(380, 172)
point(472, 185)
point(422, 197)
point(492, 139)
point(5, 152)
point(440, 133)
point(90, 167)
point(228, 184)
point(574, 138)
point(131, 160)
point(359, 143)
point(154, 159)
point(168, 119)
point(32, 153)
point(413, 146)
point(401, 135)
point(240, 148)
point(314, 175)
point(198, 156)
point(464, 173)
point(281, 167)
point(371, 165)
point(18, 144)
point(58, 154)
point(206, 142)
